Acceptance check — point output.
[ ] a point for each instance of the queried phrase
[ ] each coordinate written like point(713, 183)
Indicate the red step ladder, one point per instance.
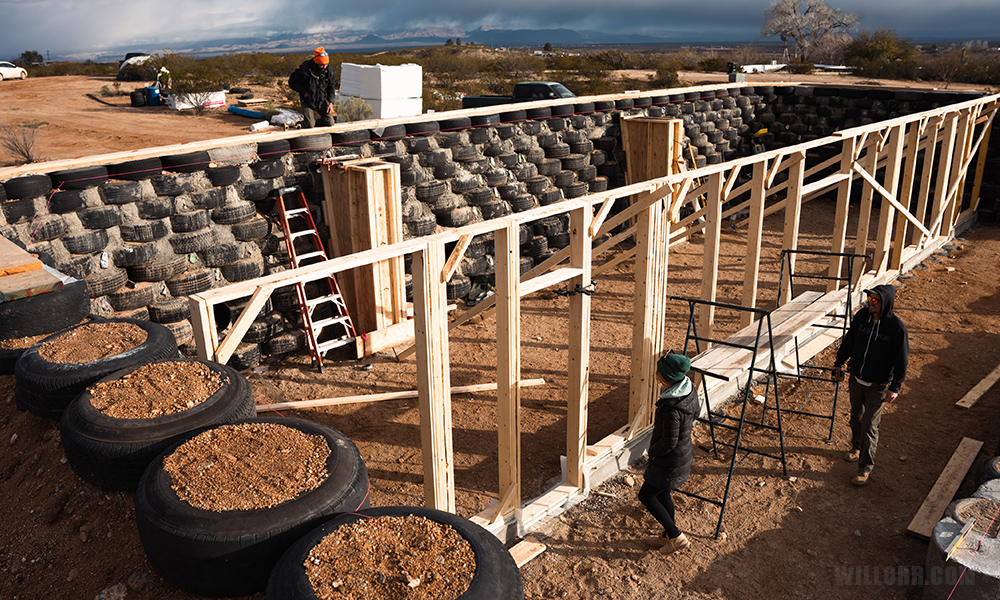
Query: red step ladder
point(340, 320)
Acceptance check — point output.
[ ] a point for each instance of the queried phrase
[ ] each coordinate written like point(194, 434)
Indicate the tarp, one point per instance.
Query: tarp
point(134, 69)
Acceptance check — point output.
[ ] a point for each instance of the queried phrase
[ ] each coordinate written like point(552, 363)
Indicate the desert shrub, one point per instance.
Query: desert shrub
point(800, 67)
point(19, 141)
point(665, 77)
point(352, 109)
point(713, 64)
point(881, 54)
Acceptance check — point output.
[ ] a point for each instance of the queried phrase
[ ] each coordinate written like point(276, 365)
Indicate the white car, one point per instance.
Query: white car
point(10, 71)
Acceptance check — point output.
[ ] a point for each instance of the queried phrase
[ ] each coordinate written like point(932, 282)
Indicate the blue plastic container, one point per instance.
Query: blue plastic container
point(152, 96)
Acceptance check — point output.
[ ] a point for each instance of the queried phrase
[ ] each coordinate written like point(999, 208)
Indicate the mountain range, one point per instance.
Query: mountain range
point(374, 41)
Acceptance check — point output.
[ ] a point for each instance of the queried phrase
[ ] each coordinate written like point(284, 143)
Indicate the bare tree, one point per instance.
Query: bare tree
point(806, 22)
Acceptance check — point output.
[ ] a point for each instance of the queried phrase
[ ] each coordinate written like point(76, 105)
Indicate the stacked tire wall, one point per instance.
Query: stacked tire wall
point(145, 234)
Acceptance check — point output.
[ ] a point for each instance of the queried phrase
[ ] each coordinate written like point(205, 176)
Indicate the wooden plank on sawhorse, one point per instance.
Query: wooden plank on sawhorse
point(981, 388)
point(525, 550)
point(14, 259)
point(28, 283)
point(944, 489)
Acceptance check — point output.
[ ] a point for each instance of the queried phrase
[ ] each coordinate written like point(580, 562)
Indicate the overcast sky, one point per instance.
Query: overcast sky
point(75, 27)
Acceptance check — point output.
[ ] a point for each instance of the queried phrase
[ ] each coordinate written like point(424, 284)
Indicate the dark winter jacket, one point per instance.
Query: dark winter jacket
point(316, 87)
point(670, 451)
point(878, 350)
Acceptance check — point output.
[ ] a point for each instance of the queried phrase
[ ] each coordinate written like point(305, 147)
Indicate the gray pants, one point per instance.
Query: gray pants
point(866, 414)
point(312, 118)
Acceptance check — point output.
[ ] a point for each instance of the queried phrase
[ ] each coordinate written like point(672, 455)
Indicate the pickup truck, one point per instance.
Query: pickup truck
point(524, 91)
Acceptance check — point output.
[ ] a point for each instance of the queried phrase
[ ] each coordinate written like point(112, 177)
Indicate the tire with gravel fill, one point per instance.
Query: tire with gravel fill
point(231, 553)
point(112, 453)
point(316, 142)
point(170, 311)
point(15, 211)
point(222, 254)
point(234, 213)
point(86, 242)
point(184, 222)
point(100, 217)
point(44, 313)
point(132, 254)
point(243, 269)
point(121, 192)
point(46, 388)
point(223, 176)
point(131, 298)
point(160, 269)
point(251, 229)
point(192, 241)
point(496, 577)
point(67, 201)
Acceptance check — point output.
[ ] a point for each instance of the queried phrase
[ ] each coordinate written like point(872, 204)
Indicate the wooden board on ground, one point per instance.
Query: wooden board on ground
point(28, 283)
point(981, 388)
point(14, 259)
point(944, 489)
point(525, 550)
point(252, 102)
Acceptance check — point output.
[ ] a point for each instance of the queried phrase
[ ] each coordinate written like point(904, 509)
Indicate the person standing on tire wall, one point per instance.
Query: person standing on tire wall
point(316, 85)
point(670, 450)
point(878, 348)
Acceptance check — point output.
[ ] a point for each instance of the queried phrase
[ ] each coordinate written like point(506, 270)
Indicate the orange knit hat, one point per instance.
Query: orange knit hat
point(320, 57)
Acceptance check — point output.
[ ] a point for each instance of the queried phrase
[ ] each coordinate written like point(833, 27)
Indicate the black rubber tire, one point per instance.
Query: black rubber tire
point(44, 313)
point(100, 217)
point(112, 453)
point(512, 116)
point(45, 388)
point(182, 331)
point(285, 342)
point(28, 186)
point(264, 327)
point(267, 150)
point(156, 208)
point(189, 162)
point(496, 576)
point(234, 213)
point(422, 128)
point(356, 137)
point(16, 211)
point(132, 254)
point(131, 298)
point(560, 150)
point(495, 177)
point(480, 196)
point(245, 356)
point(192, 241)
point(424, 226)
point(191, 282)
point(464, 184)
point(251, 229)
point(458, 217)
point(315, 142)
point(231, 553)
point(522, 202)
point(105, 281)
point(492, 210)
point(64, 202)
point(576, 189)
point(410, 177)
point(209, 199)
point(222, 254)
point(988, 469)
point(429, 190)
point(481, 120)
point(416, 145)
point(78, 266)
point(445, 171)
point(170, 311)
point(464, 153)
point(455, 123)
point(160, 269)
point(243, 269)
point(121, 192)
point(268, 169)
point(79, 178)
point(49, 227)
point(223, 176)
point(549, 196)
point(134, 170)
point(190, 221)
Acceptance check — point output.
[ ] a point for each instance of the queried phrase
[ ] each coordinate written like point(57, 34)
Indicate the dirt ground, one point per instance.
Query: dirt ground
point(807, 534)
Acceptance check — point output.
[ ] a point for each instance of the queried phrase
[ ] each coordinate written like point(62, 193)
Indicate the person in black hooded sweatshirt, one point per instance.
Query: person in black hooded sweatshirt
point(878, 348)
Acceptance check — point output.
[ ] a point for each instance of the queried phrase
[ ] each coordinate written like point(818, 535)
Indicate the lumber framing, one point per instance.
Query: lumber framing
point(915, 220)
point(944, 489)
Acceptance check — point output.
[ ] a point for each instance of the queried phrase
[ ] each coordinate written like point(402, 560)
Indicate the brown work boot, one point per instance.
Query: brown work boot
point(861, 478)
point(657, 541)
point(676, 544)
point(852, 455)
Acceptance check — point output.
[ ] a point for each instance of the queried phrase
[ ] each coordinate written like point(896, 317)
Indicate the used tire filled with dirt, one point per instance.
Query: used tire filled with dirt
point(232, 552)
point(496, 575)
point(112, 452)
point(45, 388)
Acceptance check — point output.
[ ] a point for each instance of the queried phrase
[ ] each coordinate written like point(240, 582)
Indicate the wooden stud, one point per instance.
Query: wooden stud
point(867, 164)
point(508, 259)
point(710, 256)
point(977, 184)
point(793, 212)
point(839, 236)
point(981, 388)
point(943, 175)
point(252, 310)
point(929, 147)
point(889, 191)
point(906, 191)
point(578, 383)
point(430, 314)
point(755, 230)
point(456, 255)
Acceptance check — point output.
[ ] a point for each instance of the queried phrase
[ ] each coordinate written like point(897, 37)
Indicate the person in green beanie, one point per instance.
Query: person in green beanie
point(670, 450)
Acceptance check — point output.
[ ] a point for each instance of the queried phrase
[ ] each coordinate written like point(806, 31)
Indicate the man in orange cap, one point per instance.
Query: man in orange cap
point(316, 85)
